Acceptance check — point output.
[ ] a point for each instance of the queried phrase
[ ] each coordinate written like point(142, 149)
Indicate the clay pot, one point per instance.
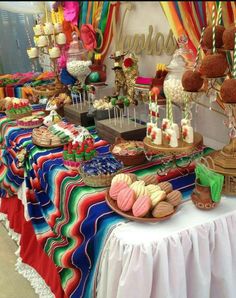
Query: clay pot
point(201, 197)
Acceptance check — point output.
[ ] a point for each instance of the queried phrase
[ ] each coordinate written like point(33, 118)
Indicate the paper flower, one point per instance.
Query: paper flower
point(88, 37)
point(128, 62)
point(71, 11)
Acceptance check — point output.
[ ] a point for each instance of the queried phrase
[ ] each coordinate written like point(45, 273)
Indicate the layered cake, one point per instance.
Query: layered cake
point(76, 153)
point(30, 121)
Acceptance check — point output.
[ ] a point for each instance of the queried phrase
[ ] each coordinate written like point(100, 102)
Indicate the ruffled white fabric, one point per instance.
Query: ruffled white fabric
point(34, 278)
point(36, 281)
point(192, 255)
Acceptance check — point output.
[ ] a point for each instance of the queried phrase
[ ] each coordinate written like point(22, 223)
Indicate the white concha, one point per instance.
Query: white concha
point(122, 177)
point(139, 188)
point(157, 197)
point(152, 188)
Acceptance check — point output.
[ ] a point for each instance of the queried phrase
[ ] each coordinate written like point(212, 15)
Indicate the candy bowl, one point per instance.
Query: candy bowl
point(131, 153)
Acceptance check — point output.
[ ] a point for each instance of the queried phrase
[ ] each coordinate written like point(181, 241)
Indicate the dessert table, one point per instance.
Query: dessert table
point(71, 244)
point(193, 254)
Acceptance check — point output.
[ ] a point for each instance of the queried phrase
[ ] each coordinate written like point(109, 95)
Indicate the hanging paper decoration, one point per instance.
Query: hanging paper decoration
point(189, 17)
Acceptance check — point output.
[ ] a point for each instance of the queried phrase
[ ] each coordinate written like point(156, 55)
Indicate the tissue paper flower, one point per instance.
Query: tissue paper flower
point(88, 37)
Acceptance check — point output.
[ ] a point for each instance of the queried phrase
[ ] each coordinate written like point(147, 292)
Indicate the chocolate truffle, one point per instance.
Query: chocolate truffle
point(207, 37)
point(228, 91)
point(214, 65)
point(228, 37)
point(192, 81)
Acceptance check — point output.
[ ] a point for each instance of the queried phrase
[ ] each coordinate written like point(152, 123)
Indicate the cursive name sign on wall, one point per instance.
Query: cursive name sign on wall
point(150, 44)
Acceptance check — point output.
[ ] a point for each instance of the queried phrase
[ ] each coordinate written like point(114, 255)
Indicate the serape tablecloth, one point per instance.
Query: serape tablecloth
point(71, 221)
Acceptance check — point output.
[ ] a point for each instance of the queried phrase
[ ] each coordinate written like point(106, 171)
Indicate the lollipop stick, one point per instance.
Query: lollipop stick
point(128, 114)
point(135, 123)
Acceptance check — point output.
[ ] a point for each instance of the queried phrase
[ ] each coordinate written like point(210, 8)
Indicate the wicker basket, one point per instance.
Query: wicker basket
point(45, 92)
point(97, 181)
point(128, 160)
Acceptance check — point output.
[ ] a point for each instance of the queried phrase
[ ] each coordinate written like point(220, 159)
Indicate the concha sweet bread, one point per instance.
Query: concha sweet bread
point(126, 199)
point(116, 187)
point(162, 209)
point(122, 177)
point(139, 188)
point(150, 179)
point(132, 176)
point(166, 186)
point(157, 197)
point(142, 206)
point(174, 198)
point(151, 188)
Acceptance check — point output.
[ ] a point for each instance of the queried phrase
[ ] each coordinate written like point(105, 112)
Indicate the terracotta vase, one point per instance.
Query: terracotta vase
point(201, 197)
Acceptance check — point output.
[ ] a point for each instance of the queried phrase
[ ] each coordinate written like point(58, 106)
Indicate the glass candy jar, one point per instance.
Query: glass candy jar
point(77, 59)
point(183, 59)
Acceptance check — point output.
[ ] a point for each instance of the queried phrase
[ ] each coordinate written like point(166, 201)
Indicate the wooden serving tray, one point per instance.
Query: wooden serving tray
point(129, 215)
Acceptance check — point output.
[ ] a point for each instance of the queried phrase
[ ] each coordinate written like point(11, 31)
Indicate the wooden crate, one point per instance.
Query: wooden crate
point(78, 116)
point(108, 131)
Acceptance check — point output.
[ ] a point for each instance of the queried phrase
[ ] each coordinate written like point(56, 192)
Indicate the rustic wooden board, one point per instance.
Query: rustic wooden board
point(78, 116)
point(108, 131)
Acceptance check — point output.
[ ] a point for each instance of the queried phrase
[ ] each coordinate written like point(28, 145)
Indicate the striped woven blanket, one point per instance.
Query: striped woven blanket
point(71, 221)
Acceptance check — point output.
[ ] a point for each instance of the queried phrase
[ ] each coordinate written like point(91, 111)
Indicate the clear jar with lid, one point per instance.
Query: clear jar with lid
point(77, 59)
point(182, 60)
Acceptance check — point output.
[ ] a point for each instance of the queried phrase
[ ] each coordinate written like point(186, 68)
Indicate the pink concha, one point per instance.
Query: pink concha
point(126, 199)
point(116, 188)
point(142, 206)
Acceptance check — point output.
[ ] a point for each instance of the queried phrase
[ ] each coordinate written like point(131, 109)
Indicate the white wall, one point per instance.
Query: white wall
point(146, 13)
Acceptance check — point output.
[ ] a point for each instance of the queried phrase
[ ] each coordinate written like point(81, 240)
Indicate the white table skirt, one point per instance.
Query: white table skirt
point(192, 255)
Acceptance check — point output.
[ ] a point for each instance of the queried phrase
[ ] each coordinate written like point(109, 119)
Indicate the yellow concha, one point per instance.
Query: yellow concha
point(122, 177)
point(152, 188)
point(157, 197)
point(139, 188)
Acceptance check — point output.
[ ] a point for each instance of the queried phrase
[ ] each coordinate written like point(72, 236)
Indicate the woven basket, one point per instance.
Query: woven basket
point(17, 116)
point(97, 181)
point(128, 160)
